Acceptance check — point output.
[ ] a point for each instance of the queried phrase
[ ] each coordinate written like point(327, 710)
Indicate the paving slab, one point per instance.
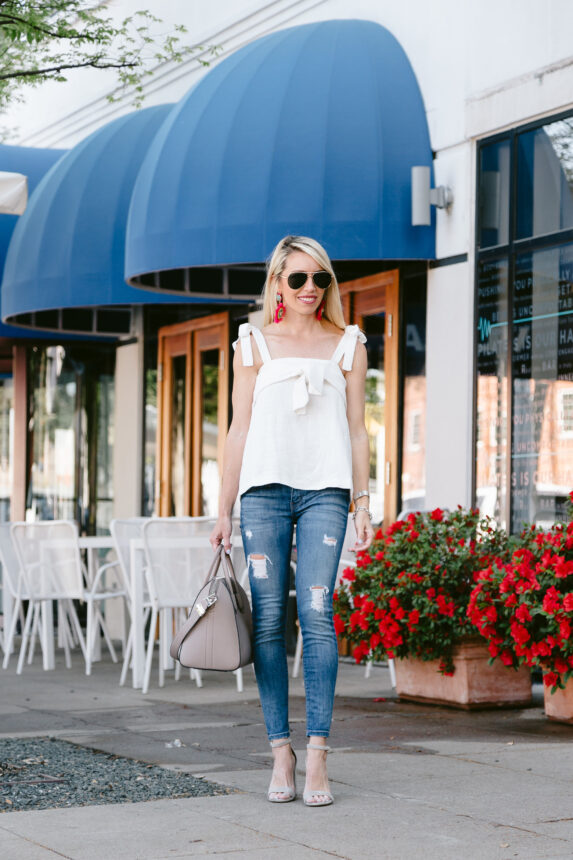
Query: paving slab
point(410, 781)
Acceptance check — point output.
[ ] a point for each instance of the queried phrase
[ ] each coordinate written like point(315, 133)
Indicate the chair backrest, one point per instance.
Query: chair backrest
point(11, 579)
point(177, 558)
point(50, 559)
point(122, 532)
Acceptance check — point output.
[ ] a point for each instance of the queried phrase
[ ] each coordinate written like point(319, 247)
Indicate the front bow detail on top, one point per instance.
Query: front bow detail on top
point(307, 379)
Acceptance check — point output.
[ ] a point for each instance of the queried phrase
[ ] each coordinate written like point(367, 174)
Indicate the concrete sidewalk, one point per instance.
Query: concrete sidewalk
point(409, 781)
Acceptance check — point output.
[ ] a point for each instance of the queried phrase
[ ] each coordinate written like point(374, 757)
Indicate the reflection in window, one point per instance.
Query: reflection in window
point(70, 429)
point(178, 407)
point(491, 430)
point(210, 432)
point(542, 367)
point(150, 441)
point(373, 327)
point(6, 445)
point(104, 406)
point(413, 485)
point(494, 178)
point(566, 413)
point(545, 179)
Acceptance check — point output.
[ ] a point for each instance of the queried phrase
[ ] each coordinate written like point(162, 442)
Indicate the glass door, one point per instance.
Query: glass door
point(372, 303)
point(193, 412)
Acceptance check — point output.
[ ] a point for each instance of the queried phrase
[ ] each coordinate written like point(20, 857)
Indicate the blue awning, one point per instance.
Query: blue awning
point(309, 130)
point(33, 163)
point(64, 267)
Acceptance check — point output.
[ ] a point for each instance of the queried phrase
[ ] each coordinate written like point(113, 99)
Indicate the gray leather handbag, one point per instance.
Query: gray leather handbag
point(218, 630)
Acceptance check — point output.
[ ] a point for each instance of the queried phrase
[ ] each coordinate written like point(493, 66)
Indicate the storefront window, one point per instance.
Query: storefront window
point(491, 442)
point(150, 443)
point(414, 395)
point(542, 371)
point(545, 179)
point(493, 213)
point(71, 435)
point(524, 358)
point(373, 326)
point(6, 445)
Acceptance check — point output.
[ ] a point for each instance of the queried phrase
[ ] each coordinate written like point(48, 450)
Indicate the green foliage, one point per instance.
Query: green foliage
point(44, 40)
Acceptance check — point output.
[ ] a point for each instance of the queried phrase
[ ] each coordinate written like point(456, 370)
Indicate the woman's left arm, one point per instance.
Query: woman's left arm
point(355, 400)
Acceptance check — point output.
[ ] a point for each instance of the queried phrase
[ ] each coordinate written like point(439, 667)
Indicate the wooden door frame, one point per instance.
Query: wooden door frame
point(191, 333)
point(374, 294)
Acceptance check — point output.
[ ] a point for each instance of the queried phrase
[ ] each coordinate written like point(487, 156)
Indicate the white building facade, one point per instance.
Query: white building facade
point(474, 404)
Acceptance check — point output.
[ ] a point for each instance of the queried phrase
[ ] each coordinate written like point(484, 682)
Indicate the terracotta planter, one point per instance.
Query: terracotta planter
point(559, 705)
point(474, 684)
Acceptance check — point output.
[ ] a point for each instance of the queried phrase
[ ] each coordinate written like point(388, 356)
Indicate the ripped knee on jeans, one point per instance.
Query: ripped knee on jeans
point(317, 597)
point(258, 564)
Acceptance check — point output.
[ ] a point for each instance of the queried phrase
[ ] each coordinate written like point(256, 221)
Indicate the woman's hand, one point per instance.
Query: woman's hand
point(364, 531)
point(221, 533)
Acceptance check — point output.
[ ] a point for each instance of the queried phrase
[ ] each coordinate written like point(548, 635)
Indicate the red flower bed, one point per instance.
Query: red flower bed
point(408, 595)
point(524, 607)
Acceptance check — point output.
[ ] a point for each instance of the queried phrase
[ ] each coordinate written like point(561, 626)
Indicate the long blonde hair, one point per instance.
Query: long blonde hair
point(332, 309)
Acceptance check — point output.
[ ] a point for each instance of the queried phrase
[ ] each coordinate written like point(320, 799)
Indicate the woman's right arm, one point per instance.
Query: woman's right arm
point(244, 379)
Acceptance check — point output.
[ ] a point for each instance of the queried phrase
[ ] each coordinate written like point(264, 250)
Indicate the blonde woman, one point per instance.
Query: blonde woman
point(297, 452)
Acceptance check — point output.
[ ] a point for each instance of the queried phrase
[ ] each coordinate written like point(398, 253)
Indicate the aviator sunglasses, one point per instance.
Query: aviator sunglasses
point(321, 279)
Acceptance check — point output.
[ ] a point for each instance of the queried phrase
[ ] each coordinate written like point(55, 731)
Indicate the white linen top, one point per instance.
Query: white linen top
point(298, 433)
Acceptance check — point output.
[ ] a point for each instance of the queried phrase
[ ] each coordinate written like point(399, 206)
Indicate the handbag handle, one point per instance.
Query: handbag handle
point(231, 577)
point(223, 560)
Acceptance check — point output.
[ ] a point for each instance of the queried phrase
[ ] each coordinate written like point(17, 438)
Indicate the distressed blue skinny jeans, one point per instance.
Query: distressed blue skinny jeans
point(269, 515)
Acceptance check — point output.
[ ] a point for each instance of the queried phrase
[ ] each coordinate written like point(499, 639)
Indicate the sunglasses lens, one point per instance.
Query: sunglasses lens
point(322, 279)
point(296, 280)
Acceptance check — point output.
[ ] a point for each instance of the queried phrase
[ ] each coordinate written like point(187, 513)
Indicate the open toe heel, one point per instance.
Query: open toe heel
point(326, 797)
point(287, 792)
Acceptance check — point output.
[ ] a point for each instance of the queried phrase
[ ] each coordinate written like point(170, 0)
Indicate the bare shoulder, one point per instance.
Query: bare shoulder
point(360, 362)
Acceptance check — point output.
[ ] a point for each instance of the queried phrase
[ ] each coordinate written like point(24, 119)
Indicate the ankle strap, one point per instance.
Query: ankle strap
point(280, 742)
point(322, 747)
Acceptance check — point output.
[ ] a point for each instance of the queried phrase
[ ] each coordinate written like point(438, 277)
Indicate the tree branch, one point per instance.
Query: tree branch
point(16, 19)
point(62, 67)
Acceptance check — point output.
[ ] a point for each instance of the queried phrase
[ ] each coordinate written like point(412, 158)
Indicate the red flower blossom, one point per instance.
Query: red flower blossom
point(522, 613)
point(552, 600)
point(413, 618)
point(339, 624)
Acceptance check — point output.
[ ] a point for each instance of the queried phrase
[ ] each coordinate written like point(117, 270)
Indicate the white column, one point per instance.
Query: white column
point(128, 430)
point(449, 370)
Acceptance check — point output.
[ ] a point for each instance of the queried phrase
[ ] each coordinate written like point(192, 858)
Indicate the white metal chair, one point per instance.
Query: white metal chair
point(177, 556)
point(123, 531)
point(13, 592)
point(52, 570)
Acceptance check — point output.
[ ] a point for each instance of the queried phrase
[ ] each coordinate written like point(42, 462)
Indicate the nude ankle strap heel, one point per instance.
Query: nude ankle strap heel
point(287, 790)
point(307, 796)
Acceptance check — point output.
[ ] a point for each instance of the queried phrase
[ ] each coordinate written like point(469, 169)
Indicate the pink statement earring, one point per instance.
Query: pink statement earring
point(319, 310)
point(280, 309)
